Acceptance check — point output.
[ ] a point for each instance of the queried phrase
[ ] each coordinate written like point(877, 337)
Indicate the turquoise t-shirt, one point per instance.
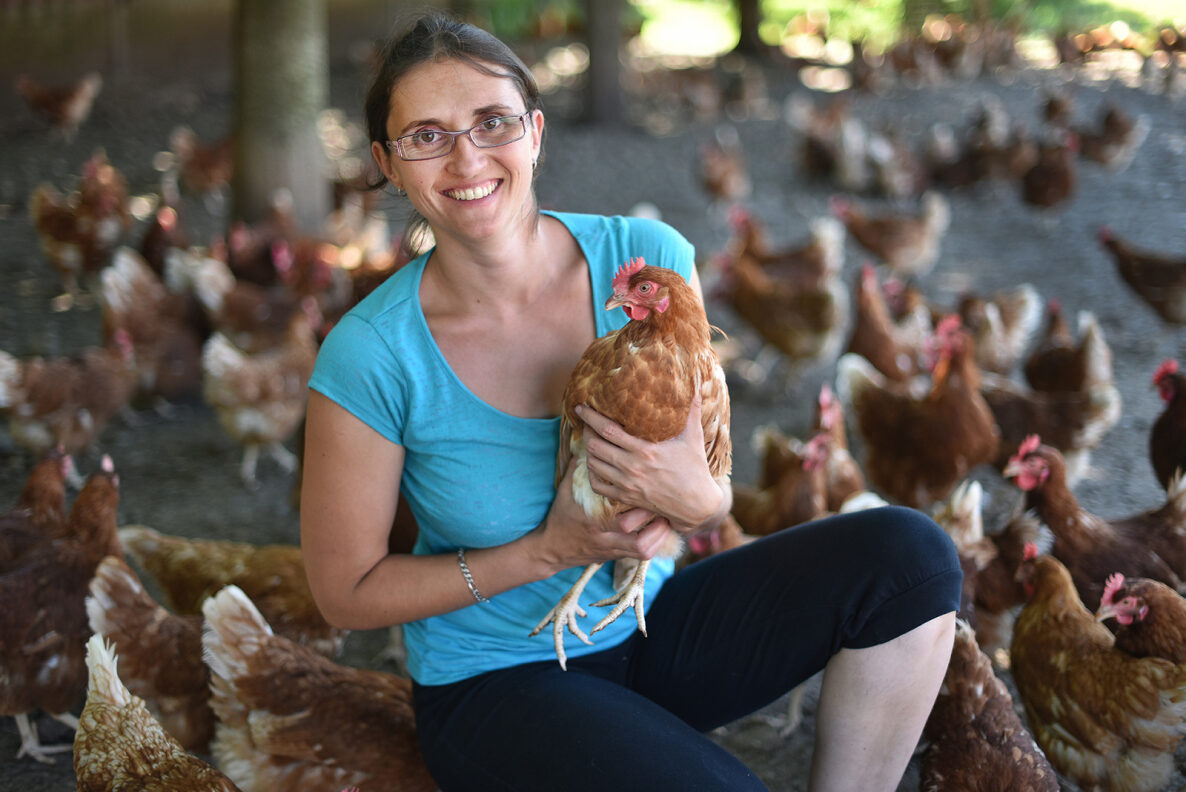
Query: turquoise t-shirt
point(475, 476)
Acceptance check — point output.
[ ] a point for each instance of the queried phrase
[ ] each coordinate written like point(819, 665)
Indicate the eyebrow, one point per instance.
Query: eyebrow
point(481, 111)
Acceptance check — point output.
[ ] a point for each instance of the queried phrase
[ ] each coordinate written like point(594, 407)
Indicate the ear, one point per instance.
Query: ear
point(537, 133)
point(383, 159)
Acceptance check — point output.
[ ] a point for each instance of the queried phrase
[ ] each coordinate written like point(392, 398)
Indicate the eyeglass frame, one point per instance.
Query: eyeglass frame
point(394, 145)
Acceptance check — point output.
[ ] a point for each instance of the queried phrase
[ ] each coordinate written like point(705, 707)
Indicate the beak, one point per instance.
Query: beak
point(1105, 612)
point(1011, 470)
point(615, 301)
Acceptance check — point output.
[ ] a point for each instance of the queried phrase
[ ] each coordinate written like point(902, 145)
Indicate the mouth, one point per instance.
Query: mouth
point(474, 193)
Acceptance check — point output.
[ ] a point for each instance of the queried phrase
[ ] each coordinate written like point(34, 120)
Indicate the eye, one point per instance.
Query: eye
point(427, 137)
point(644, 287)
point(492, 124)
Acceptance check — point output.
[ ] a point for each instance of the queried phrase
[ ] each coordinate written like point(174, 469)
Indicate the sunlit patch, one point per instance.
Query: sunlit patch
point(826, 79)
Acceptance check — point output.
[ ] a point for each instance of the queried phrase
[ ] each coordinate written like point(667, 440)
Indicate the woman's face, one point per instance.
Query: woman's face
point(470, 192)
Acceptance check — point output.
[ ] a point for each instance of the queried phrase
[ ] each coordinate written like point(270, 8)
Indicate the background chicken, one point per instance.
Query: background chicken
point(1157, 278)
point(43, 624)
point(1108, 720)
point(918, 447)
point(974, 739)
point(64, 107)
point(907, 242)
point(894, 347)
point(1150, 617)
point(666, 340)
point(120, 746)
point(39, 514)
point(190, 570)
point(202, 169)
point(1002, 325)
point(161, 653)
point(289, 718)
point(723, 171)
point(797, 493)
point(1167, 436)
point(811, 263)
point(66, 401)
point(260, 397)
point(1053, 179)
point(1114, 140)
point(1091, 547)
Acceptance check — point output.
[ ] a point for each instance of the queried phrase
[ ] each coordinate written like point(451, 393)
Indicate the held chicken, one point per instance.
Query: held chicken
point(918, 447)
point(64, 107)
point(161, 653)
point(1091, 547)
point(43, 625)
point(908, 242)
point(189, 570)
point(1157, 278)
point(260, 397)
point(291, 719)
point(1150, 617)
point(1107, 720)
point(644, 377)
point(119, 745)
point(1167, 436)
point(974, 740)
point(66, 401)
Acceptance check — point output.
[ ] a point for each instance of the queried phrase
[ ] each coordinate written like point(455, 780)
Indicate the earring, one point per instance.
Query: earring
point(399, 192)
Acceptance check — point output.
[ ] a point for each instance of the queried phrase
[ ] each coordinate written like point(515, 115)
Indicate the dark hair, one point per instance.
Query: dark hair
point(436, 36)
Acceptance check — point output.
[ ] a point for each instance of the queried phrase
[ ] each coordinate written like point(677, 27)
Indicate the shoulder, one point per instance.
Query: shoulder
point(610, 240)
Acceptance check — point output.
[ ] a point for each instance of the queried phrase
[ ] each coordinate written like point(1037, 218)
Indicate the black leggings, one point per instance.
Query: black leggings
point(726, 636)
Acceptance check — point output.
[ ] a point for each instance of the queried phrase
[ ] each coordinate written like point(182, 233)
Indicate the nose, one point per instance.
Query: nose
point(465, 152)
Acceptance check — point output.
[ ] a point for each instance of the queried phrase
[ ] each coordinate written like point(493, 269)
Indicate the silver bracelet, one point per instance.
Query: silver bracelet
point(469, 579)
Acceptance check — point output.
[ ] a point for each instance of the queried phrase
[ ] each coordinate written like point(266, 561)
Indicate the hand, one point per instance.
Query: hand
point(571, 538)
point(669, 478)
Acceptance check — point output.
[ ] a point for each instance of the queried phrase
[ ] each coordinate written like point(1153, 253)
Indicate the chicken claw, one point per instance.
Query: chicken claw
point(633, 594)
point(564, 614)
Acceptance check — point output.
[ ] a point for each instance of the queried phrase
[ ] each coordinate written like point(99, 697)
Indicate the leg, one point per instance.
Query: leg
point(873, 705)
point(564, 614)
point(536, 727)
point(31, 744)
point(633, 594)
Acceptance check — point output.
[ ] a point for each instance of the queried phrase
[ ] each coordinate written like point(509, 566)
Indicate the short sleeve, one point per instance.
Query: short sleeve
point(357, 369)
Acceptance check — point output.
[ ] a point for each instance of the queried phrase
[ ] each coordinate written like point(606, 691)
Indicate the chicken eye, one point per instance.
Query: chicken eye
point(644, 288)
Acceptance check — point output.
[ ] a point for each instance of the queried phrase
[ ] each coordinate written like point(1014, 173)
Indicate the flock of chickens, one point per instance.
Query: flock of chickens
point(1084, 613)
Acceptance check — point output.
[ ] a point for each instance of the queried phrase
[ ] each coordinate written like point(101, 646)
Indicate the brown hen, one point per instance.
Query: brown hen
point(908, 242)
point(644, 376)
point(289, 718)
point(1167, 436)
point(1156, 277)
point(39, 514)
point(1150, 617)
point(120, 746)
point(64, 107)
point(1106, 719)
point(894, 347)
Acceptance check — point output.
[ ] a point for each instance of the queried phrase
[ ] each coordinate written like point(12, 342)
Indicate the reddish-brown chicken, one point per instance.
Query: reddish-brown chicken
point(289, 718)
point(39, 514)
point(796, 494)
point(189, 570)
point(43, 624)
point(1156, 277)
point(895, 348)
point(1091, 547)
point(260, 396)
point(843, 477)
point(1167, 436)
point(643, 376)
point(161, 653)
point(1080, 405)
point(80, 232)
point(202, 169)
point(1001, 325)
point(810, 264)
point(1053, 179)
point(66, 401)
point(1115, 139)
point(64, 107)
point(918, 447)
point(1105, 719)
point(723, 171)
point(908, 242)
point(119, 745)
point(167, 347)
point(164, 233)
point(1150, 617)
point(975, 741)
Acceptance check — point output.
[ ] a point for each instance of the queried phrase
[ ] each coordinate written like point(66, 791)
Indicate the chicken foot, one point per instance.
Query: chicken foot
point(565, 612)
point(251, 454)
point(633, 594)
point(31, 744)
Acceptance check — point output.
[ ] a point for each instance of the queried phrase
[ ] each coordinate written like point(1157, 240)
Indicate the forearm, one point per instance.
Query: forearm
point(402, 588)
point(719, 490)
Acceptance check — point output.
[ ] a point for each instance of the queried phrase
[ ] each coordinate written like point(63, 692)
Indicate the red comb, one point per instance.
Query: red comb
point(1029, 445)
point(948, 325)
point(738, 217)
point(622, 276)
point(825, 396)
point(1167, 367)
point(1054, 305)
point(1115, 581)
point(1030, 552)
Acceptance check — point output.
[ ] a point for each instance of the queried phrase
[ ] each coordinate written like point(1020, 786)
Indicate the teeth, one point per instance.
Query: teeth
point(472, 194)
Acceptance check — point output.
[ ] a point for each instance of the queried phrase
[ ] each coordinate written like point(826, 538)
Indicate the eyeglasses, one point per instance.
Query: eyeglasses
point(433, 143)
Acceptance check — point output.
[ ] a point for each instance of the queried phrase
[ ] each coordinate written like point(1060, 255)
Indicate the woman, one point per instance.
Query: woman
point(443, 387)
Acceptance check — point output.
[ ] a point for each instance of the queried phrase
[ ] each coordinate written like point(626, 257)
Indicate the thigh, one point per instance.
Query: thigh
point(730, 634)
point(537, 727)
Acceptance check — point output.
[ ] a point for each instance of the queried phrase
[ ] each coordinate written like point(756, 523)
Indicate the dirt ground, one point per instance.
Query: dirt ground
point(179, 473)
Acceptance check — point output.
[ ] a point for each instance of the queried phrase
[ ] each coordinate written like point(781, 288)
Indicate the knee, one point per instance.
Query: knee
point(910, 537)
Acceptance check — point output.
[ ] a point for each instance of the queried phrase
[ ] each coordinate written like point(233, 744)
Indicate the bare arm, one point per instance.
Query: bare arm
point(349, 493)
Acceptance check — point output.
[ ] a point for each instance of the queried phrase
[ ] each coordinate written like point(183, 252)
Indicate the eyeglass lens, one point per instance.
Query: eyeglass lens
point(488, 134)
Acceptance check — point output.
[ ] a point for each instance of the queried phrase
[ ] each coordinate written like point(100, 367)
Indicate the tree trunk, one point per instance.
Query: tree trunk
point(281, 86)
point(603, 97)
point(749, 17)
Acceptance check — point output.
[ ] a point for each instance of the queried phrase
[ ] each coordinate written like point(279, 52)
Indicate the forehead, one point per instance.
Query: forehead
point(449, 89)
